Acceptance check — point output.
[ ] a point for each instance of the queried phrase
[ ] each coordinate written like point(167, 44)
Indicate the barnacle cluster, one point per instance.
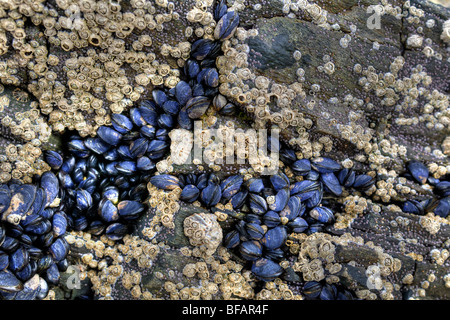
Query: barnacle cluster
point(123, 93)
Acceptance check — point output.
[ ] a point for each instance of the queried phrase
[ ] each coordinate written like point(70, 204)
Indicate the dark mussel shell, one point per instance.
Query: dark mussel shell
point(59, 249)
point(165, 181)
point(231, 186)
point(129, 209)
point(183, 91)
point(226, 26)
point(418, 170)
point(54, 159)
point(274, 238)
point(312, 289)
point(197, 106)
point(21, 201)
point(9, 282)
point(258, 204)
point(50, 184)
point(279, 181)
point(332, 183)
point(116, 231)
point(271, 219)
point(121, 123)
point(107, 210)
point(266, 269)
point(5, 198)
point(18, 259)
point(211, 195)
point(254, 231)
point(109, 135)
point(250, 250)
point(231, 239)
point(190, 193)
point(325, 165)
point(346, 177)
point(363, 182)
point(322, 214)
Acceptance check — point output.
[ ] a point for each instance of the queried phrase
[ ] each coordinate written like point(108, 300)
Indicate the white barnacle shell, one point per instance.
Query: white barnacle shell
point(414, 41)
point(203, 231)
point(181, 145)
point(445, 35)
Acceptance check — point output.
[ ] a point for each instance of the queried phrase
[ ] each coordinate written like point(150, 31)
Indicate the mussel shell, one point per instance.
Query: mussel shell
point(250, 250)
point(43, 289)
point(50, 184)
point(231, 239)
point(157, 149)
point(54, 159)
point(332, 183)
point(271, 219)
point(325, 165)
point(266, 269)
point(257, 204)
point(184, 120)
point(183, 91)
point(275, 237)
point(301, 167)
point(5, 197)
point(78, 148)
point(298, 225)
point(231, 186)
point(322, 214)
point(145, 164)
point(107, 210)
point(18, 259)
point(21, 201)
point(9, 244)
point(116, 231)
point(294, 208)
point(121, 123)
point(418, 170)
point(312, 289)
point(9, 282)
point(220, 9)
point(190, 193)
point(53, 275)
point(226, 26)
point(238, 200)
point(443, 208)
point(97, 145)
point(197, 106)
point(4, 260)
point(138, 119)
point(201, 48)
point(126, 167)
point(165, 181)
point(279, 181)
point(59, 249)
point(96, 227)
point(363, 182)
point(346, 177)
point(83, 199)
point(109, 135)
point(254, 231)
point(211, 195)
point(129, 209)
point(254, 185)
point(281, 200)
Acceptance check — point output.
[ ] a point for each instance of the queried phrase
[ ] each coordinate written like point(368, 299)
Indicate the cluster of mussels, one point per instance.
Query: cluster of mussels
point(440, 204)
point(31, 238)
point(99, 184)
